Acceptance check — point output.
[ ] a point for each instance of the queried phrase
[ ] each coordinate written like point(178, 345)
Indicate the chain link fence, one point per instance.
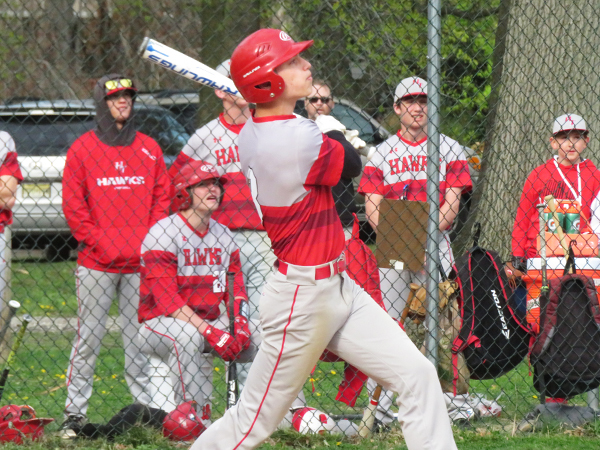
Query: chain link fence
point(517, 120)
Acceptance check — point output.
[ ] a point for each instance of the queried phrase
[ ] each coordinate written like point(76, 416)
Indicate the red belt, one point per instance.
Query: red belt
point(321, 272)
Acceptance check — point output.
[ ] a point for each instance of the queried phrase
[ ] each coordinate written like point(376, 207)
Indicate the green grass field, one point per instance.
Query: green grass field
point(39, 373)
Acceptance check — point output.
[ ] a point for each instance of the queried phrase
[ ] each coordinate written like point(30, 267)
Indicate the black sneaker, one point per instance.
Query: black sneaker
point(380, 427)
point(72, 426)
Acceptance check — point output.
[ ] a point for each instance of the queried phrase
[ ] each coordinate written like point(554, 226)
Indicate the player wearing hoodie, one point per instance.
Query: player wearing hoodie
point(115, 187)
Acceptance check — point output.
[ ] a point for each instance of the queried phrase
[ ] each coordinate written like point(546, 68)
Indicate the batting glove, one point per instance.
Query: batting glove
point(223, 343)
point(242, 332)
point(352, 137)
point(329, 123)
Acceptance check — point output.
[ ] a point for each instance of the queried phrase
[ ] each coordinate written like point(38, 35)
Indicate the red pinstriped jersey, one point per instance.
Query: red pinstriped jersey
point(8, 166)
point(399, 167)
point(181, 266)
point(291, 167)
point(216, 143)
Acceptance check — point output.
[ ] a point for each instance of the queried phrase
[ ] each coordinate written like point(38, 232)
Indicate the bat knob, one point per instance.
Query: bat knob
point(143, 45)
point(367, 152)
point(27, 318)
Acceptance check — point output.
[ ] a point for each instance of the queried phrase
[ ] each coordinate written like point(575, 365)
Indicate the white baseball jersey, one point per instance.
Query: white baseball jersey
point(183, 267)
point(399, 169)
point(216, 143)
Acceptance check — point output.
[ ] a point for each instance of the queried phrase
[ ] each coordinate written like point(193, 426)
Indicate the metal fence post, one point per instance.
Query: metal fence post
point(593, 399)
point(433, 170)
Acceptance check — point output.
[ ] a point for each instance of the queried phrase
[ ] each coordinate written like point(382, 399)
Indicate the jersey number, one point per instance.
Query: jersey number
point(254, 190)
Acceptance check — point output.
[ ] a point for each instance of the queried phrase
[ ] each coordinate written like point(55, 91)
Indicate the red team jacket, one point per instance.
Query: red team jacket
point(547, 180)
point(111, 198)
point(8, 166)
point(184, 267)
point(216, 143)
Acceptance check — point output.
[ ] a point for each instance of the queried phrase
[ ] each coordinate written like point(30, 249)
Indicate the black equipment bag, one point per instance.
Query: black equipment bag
point(566, 353)
point(493, 336)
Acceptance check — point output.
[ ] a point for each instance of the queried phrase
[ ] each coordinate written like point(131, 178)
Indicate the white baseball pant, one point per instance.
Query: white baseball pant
point(188, 355)
point(300, 318)
point(95, 293)
point(395, 289)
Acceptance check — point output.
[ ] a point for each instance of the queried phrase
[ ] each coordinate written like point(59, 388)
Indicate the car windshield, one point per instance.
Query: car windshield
point(163, 128)
point(354, 121)
point(45, 135)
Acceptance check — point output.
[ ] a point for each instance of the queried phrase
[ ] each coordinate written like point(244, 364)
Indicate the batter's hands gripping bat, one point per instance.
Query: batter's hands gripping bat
point(232, 378)
point(187, 67)
point(13, 306)
point(26, 319)
point(368, 420)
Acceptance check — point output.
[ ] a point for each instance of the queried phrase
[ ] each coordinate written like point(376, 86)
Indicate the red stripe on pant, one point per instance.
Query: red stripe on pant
point(178, 362)
point(274, 369)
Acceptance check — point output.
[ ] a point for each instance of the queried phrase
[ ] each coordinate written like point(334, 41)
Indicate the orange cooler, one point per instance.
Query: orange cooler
point(555, 267)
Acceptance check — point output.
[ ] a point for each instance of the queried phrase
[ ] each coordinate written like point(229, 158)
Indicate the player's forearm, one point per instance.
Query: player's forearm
point(352, 163)
point(372, 202)
point(8, 191)
point(187, 314)
point(449, 210)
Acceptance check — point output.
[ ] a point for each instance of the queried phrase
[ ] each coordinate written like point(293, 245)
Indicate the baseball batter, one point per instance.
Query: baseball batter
point(186, 257)
point(310, 304)
point(10, 177)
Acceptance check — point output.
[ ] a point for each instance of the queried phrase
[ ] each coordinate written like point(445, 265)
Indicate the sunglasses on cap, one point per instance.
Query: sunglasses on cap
point(113, 85)
point(314, 100)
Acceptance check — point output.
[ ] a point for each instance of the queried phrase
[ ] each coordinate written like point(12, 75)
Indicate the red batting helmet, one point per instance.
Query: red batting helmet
point(183, 423)
point(254, 60)
point(190, 174)
point(17, 422)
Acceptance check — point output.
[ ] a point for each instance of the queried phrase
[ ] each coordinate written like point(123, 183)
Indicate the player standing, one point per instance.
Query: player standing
point(10, 177)
point(186, 257)
point(398, 170)
point(115, 187)
point(309, 303)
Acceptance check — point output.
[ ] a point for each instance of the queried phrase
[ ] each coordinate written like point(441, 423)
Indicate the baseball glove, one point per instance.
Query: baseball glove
point(416, 299)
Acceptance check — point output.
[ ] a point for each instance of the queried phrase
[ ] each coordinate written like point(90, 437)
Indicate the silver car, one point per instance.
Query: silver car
point(43, 132)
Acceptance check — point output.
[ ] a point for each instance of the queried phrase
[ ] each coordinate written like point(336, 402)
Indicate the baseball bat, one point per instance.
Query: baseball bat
point(368, 420)
point(13, 306)
point(232, 378)
point(26, 319)
point(551, 202)
point(184, 65)
point(543, 246)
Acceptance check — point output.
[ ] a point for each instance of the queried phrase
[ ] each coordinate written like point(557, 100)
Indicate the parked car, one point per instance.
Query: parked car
point(43, 132)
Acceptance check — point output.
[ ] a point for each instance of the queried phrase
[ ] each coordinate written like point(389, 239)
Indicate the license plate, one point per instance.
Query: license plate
point(36, 190)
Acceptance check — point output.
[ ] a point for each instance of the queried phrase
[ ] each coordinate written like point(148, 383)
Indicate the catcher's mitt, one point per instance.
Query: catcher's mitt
point(416, 306)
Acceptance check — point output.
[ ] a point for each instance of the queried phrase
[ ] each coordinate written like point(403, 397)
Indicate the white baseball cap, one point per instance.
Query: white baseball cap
point(568, 122)
point(410, 86)
point(225, 68)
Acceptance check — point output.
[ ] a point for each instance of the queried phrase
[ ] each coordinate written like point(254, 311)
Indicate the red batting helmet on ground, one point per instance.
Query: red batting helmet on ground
point(183, 423)
point(190, 174)
point(254, 60)
point(17, 422)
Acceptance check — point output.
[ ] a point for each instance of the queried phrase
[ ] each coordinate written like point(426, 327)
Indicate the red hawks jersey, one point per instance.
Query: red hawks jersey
point(8, 166)
point(181, 266)
point(291, 167)
point(399, 169)
point(216, 143)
